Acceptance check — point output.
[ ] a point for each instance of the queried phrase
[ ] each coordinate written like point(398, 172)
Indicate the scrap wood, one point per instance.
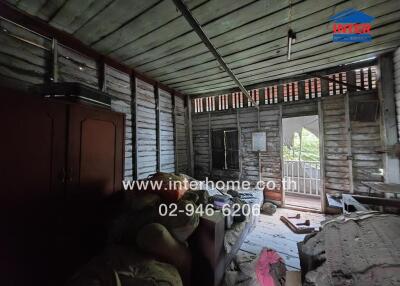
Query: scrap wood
point(297, 225)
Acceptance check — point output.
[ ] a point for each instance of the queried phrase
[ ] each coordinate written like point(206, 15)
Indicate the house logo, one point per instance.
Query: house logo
point(352, 26)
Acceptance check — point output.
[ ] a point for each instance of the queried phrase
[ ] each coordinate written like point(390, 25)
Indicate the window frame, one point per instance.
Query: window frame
point(226, 150)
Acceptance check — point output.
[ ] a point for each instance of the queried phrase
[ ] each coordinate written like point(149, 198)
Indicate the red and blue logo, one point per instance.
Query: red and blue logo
point(352, 26)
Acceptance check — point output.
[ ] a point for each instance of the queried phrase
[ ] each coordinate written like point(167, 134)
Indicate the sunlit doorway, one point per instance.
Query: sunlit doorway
point(301, 162)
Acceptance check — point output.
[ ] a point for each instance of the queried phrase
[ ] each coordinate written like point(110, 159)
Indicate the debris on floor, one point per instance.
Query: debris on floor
point(356, 249)
point(265, 269)
point(268, 208)
point(298, 224)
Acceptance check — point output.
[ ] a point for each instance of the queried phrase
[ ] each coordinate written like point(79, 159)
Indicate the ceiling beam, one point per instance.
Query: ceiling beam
point(204, 38)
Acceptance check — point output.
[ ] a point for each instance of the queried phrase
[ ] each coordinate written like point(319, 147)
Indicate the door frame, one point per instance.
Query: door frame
point(319, 114)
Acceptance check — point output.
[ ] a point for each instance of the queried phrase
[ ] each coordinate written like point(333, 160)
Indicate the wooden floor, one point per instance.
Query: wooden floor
point(313, 203)
point(270, 232)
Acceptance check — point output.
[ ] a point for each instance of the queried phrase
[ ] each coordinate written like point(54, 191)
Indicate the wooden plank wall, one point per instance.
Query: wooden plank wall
point(74, 67)
point(350, 147)
point(366, 163)
point(167, 137)
point(344, 139)
point(26, 59)
point(218, 121)
point(336, 145)
point(270, 120)
point(246, 121)
point(181, 137)
point(118, 85)
point(396, 60)
point(146, 129)
point(201, 145)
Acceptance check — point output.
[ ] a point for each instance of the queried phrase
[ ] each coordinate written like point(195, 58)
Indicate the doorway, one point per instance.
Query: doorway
point(301, 162)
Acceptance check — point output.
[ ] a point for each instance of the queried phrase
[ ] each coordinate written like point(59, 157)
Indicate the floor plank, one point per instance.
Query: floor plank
point(302, 201)
point(272, 233)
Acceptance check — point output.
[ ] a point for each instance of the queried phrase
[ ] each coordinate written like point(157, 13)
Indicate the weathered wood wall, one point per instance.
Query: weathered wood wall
point(26, 58)
point(349, 146)
point(396, 60)
point(336, 145)
point(167, 134)
point(118, 85)
point(181, 136)
point(146, 129)
point(253, 166)
point(26, 61)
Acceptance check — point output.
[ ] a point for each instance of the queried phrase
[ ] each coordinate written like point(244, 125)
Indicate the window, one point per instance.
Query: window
point(225, 149)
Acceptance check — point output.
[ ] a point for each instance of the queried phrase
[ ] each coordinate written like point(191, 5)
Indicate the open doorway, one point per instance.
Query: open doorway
point(301, 162)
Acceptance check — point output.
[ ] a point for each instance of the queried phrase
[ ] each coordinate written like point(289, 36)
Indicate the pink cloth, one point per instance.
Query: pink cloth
point(263, 267)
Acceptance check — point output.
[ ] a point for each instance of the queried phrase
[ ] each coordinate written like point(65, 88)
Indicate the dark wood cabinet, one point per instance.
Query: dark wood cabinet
point(59, 162)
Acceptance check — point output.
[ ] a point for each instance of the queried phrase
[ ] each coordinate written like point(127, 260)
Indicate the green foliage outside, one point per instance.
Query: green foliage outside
point(306, 149)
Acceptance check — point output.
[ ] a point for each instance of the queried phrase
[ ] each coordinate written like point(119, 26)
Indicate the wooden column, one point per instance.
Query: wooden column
point(261, 94)
point(348, 140)
point(321, 156)
point(157, 97)
point(190, 135)
point(302, 91)
point(134, 127)
point(102, 75)
point(54, 61)
point(280, 93)
point(324, 88)
point(174, 130)
point(209, 144)
point(388, 117)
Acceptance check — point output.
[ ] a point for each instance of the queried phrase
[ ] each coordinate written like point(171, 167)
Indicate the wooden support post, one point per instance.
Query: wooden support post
point(369, 78)
point(321, 156)
point(174, 132)
point(280, 93)
point(134, 127)
point(209, 145)
point(348, 140)
point(281, 155)
point(245, 101)
point(324, 88)
point(102, 69)
point(54, 61)
point(302, 91)
point(351, 79)
point(261, 96)
point(215, 98)
point(190, 135)
point(388, 117)
point(230, 106)
point(157, 98)
point(239, 142)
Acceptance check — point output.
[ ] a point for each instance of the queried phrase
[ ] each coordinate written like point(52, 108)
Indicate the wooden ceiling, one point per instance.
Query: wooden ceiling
point(152, 36)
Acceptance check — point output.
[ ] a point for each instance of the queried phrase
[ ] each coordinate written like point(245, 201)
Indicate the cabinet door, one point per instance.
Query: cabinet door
point(32, 156)
point(95, 152)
